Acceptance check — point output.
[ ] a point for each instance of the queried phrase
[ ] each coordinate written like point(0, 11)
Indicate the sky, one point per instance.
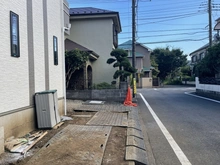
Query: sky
point(181, 24)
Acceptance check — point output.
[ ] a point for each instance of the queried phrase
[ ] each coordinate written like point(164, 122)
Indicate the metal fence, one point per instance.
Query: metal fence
point(210, 80)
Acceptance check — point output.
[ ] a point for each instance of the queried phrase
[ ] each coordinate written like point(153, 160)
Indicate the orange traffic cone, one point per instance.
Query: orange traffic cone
point(128, 99)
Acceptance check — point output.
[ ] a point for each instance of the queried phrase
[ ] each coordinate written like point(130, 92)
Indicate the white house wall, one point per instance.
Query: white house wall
point(96, 35)
point(14, 81)
point(54, 10)
point(38, 32)
point(34, 71)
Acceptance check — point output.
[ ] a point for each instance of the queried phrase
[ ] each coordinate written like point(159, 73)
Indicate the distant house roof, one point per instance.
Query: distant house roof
point(71, 45)
point(203, 47)
point(128, 45)
point(217, 26)
point(90, 12)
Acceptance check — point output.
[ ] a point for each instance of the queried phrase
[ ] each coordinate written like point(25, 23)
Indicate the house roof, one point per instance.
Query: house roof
point(137, 54)
point(217, 26)
point(90, 12)
point(128, 45)
point(71, 45)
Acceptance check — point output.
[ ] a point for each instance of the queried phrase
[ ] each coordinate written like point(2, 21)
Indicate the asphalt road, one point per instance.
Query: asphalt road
point(187, 122)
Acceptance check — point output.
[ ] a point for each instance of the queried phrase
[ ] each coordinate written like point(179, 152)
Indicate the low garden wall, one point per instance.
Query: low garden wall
point(95, 94)
point(208, 90)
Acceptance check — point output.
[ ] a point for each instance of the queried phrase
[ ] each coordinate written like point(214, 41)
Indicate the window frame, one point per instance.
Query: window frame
point(55, 50)
point(14, 24)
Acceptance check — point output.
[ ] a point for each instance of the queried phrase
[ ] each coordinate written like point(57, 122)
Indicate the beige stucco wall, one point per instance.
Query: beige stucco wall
point(146, 53)
point(96, 35)
point(146, 82)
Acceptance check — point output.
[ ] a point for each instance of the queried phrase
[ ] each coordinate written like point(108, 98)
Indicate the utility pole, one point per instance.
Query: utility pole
point(210, 22)
point(133, 47)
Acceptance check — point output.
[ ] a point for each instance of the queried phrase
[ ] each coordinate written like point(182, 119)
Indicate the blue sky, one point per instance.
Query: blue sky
point(175, 23)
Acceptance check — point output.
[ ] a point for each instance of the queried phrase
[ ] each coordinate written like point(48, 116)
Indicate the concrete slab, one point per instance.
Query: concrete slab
point(113, 107)
point(2, 140)
point(135, 141)
point(94, 102)
point(134, 124)
point(86, 116)
point(75, 144)
point(136, 154)
point(135, 132)
point(109, 118)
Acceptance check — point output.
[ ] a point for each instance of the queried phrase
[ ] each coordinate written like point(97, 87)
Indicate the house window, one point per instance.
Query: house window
point(55, 50)
point(14, 34)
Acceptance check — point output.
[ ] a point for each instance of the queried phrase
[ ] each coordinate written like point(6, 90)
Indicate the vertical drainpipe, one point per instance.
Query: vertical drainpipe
point(64, 70)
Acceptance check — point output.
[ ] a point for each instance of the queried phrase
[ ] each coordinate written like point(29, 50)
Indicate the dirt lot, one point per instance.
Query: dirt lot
point(114, 152)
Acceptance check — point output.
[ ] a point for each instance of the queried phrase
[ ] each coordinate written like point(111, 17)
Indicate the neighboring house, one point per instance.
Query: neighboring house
point(143, 64)
point(82, 78)
point(96, 30)
point(32, 60)
point(200, 53)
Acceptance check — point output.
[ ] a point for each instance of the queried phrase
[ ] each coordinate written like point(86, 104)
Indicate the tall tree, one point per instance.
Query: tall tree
point(74, 60)
point(210, 64)
point(120, 60)
point(169, 61)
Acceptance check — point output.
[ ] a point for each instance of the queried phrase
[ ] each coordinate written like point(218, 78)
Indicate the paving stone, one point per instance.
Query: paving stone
point(116, 107)
point(134, 132)
point(75, 144)
point(135, 141)
point(109, 118)
point(136, 154)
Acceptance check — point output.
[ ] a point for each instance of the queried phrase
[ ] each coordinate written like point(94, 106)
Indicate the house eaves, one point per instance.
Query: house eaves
point(202, 48)
point(71, 45)
point(95, 13)
point(217, 26)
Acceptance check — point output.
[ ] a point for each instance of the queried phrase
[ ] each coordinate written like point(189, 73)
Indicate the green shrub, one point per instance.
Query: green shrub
point(173, 82)
point(103, 85)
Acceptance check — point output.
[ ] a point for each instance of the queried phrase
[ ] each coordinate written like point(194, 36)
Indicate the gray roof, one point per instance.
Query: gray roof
point(71, 45)
point(89, 11)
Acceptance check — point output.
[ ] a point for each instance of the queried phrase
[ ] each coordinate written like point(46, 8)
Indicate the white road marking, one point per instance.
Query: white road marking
point(187, 93)
point(155, 89)
point(177, 150)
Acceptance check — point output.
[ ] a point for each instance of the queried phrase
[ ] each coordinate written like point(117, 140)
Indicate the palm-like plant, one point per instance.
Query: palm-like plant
point(121, 61)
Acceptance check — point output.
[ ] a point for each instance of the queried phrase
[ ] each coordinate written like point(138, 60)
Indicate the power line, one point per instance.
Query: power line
point(169, 41)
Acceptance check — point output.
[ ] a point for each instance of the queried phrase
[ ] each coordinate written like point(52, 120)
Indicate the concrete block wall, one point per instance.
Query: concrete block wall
point(211, 91)
point(105, 94)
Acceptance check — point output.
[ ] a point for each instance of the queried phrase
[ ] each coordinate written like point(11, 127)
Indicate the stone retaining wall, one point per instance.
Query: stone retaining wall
point(104, 94)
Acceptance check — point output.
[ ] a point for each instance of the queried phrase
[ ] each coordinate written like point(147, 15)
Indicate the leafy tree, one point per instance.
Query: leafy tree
point(155, 70)
point(169, 61)
point(120, 60)
point(210, 64)
point(74, 60)
point(186, 73)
